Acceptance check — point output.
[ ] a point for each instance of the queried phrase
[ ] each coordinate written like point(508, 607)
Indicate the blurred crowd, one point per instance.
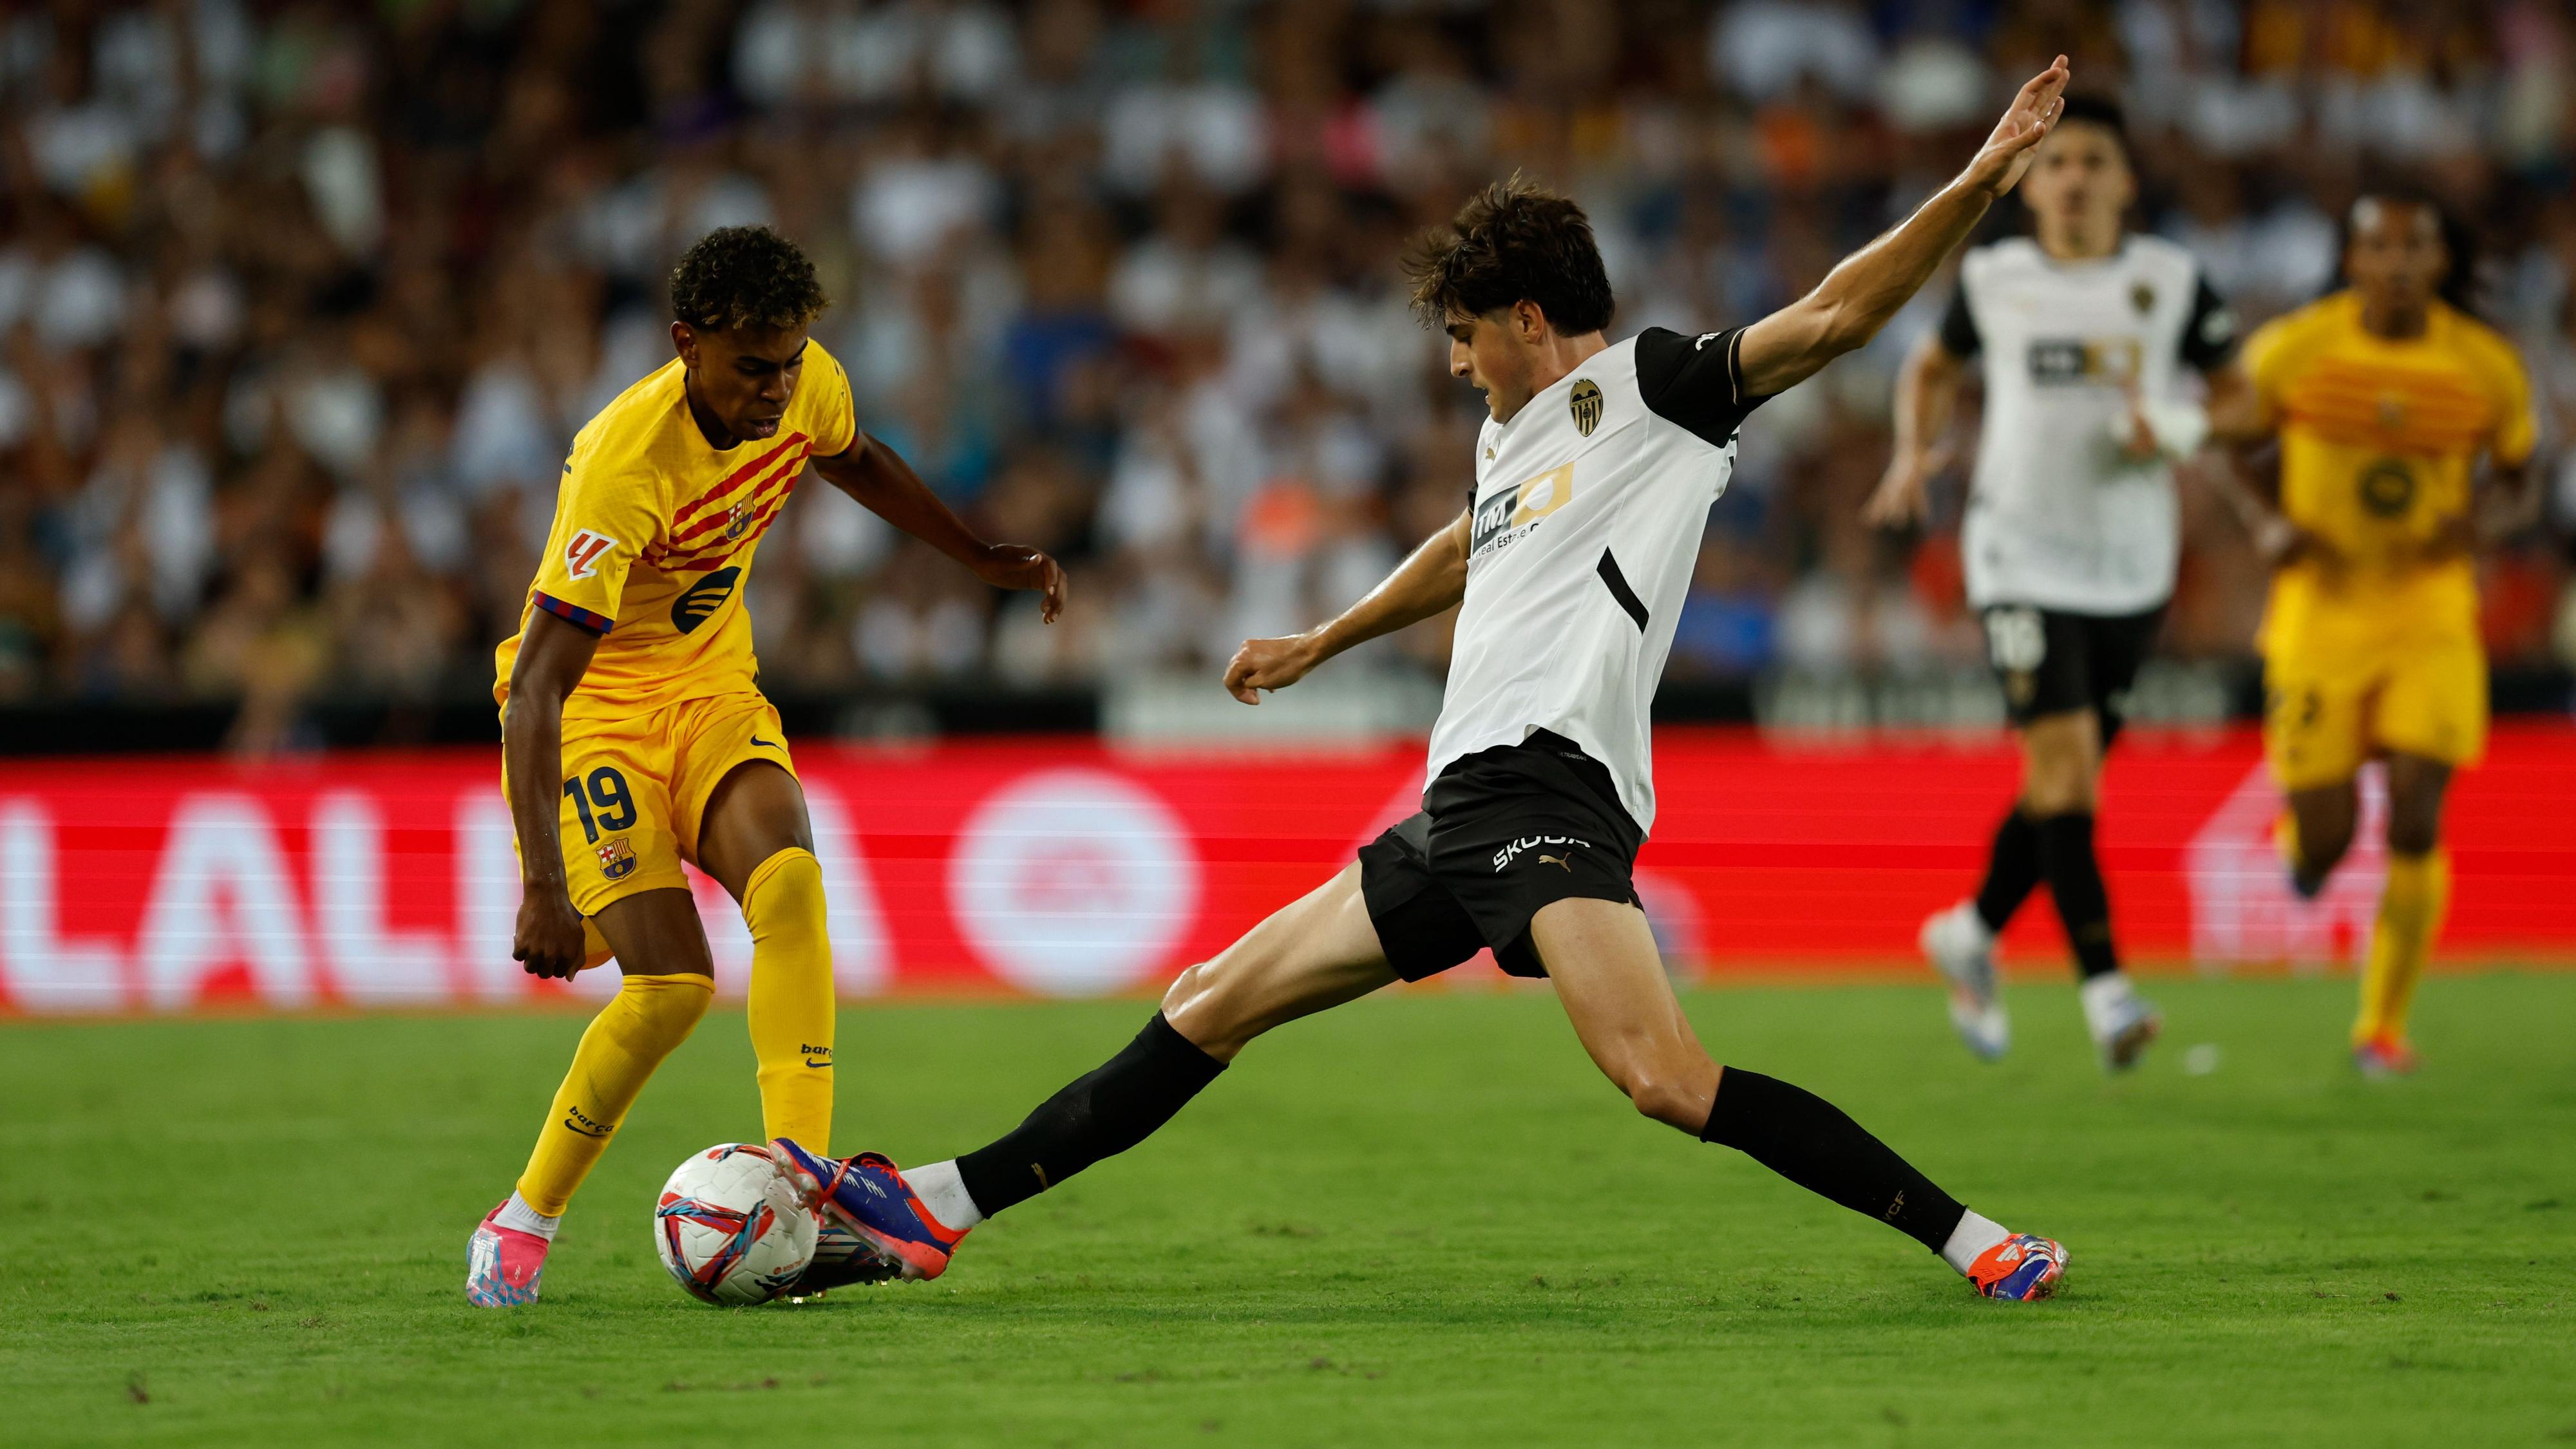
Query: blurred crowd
point(300, 303)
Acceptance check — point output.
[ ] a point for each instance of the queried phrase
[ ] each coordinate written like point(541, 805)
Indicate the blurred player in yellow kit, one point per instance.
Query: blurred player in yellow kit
point(2384, 397)
point(635, 736)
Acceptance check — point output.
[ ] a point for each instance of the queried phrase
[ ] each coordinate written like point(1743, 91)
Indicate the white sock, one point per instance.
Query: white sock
point(2102, 995)
point(1970, 1239)
point(519, 1217)
point(944, 1193)
point(1966, 912)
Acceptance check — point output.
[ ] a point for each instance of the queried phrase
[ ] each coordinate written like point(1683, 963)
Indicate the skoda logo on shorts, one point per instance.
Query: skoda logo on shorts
point(2388, 488)
point(704, 597)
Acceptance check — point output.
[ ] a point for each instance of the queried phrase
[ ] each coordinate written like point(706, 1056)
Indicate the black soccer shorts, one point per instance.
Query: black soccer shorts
point(2052, 661)
point(1502, 833)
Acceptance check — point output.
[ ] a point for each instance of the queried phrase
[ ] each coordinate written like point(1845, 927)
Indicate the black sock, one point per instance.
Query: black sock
point(1811, 1142)
point(2012, 869)
point(2075, 879)
point(1098, 1115)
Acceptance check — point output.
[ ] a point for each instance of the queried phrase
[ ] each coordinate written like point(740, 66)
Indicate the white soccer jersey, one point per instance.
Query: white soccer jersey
point(1587, 514)
point(2058, 515)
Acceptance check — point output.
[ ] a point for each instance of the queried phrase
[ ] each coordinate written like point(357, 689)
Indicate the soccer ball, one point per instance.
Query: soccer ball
point(730, 1229)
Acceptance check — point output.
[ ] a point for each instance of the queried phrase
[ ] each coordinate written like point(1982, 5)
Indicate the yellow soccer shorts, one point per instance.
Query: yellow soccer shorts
point(635, 790)
point(2325, 711)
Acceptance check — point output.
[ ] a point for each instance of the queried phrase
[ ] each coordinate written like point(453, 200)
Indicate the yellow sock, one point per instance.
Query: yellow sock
point(791, 1004)
point(638, 1027)
point(2410, 914)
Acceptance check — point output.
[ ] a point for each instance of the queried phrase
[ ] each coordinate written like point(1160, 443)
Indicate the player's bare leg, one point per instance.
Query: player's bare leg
point(2411, 904)
point(1312, 954)
point(1601, 955)
point(669, 978)
point(2321, 824)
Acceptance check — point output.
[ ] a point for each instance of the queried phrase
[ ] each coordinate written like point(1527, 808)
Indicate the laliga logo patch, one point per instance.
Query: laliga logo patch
point(704, 597)
point(581, 556)
point(616, 858)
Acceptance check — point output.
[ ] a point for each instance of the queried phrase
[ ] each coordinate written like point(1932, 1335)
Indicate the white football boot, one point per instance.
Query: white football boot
point(2124, 1024)
point(1960, 947)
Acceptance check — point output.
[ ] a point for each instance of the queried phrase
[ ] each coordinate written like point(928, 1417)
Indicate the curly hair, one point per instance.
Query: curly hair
point(745, 276)
point(1514, 241)
point(2459, 285)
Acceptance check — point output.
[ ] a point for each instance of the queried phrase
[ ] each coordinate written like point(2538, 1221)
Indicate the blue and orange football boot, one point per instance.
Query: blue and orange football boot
point(2023, 1267)
point(867, 1195)
point(841, 1258)
point(502, 1265)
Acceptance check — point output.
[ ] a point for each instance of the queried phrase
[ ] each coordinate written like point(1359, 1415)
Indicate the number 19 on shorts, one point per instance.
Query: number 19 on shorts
point(601, 800)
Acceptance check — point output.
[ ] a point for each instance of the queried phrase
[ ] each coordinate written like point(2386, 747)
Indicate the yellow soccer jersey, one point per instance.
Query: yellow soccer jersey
point(2379, 443)
point(654, 533)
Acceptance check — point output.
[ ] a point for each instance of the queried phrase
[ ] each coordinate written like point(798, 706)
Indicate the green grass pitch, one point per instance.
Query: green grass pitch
point(1419, 1220)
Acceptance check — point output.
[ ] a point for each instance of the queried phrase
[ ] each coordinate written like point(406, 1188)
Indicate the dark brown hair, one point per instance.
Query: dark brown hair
point(745, 276)
point(1514, 241)
point(2092, 110)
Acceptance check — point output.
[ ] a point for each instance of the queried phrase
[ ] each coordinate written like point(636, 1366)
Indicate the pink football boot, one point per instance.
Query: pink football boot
point(502, 1265)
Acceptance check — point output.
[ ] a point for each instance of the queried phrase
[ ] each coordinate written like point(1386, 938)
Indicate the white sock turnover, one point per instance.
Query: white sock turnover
point(944, 1193)
point(2102, 995)
point(1970, 1239)
point(519, 1217)
point(1974, 925)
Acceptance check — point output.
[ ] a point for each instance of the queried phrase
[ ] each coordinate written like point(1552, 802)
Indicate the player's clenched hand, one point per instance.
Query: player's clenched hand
point(1902, 498)
point(1268, 664)
point(1015, 566)
point(2137, 432)
point(2007, 153)
point(549, 940)
point(2280, 542)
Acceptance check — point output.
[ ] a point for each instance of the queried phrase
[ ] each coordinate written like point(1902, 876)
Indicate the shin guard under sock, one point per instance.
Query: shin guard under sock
point(790, 1006)
point(638, 1027)
point(2012, 869)
point(1098, 1115)
point(1811, 1142)
point(2075, 879)
point(2410, 914)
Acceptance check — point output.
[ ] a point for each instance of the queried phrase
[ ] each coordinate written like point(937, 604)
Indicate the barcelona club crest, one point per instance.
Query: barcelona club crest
point(1586, 402)
point(616, 858)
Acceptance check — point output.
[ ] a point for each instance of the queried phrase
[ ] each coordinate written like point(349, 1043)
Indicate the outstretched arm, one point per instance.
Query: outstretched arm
point(885, 485)
point(1434, 578)
point(1858, 296)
